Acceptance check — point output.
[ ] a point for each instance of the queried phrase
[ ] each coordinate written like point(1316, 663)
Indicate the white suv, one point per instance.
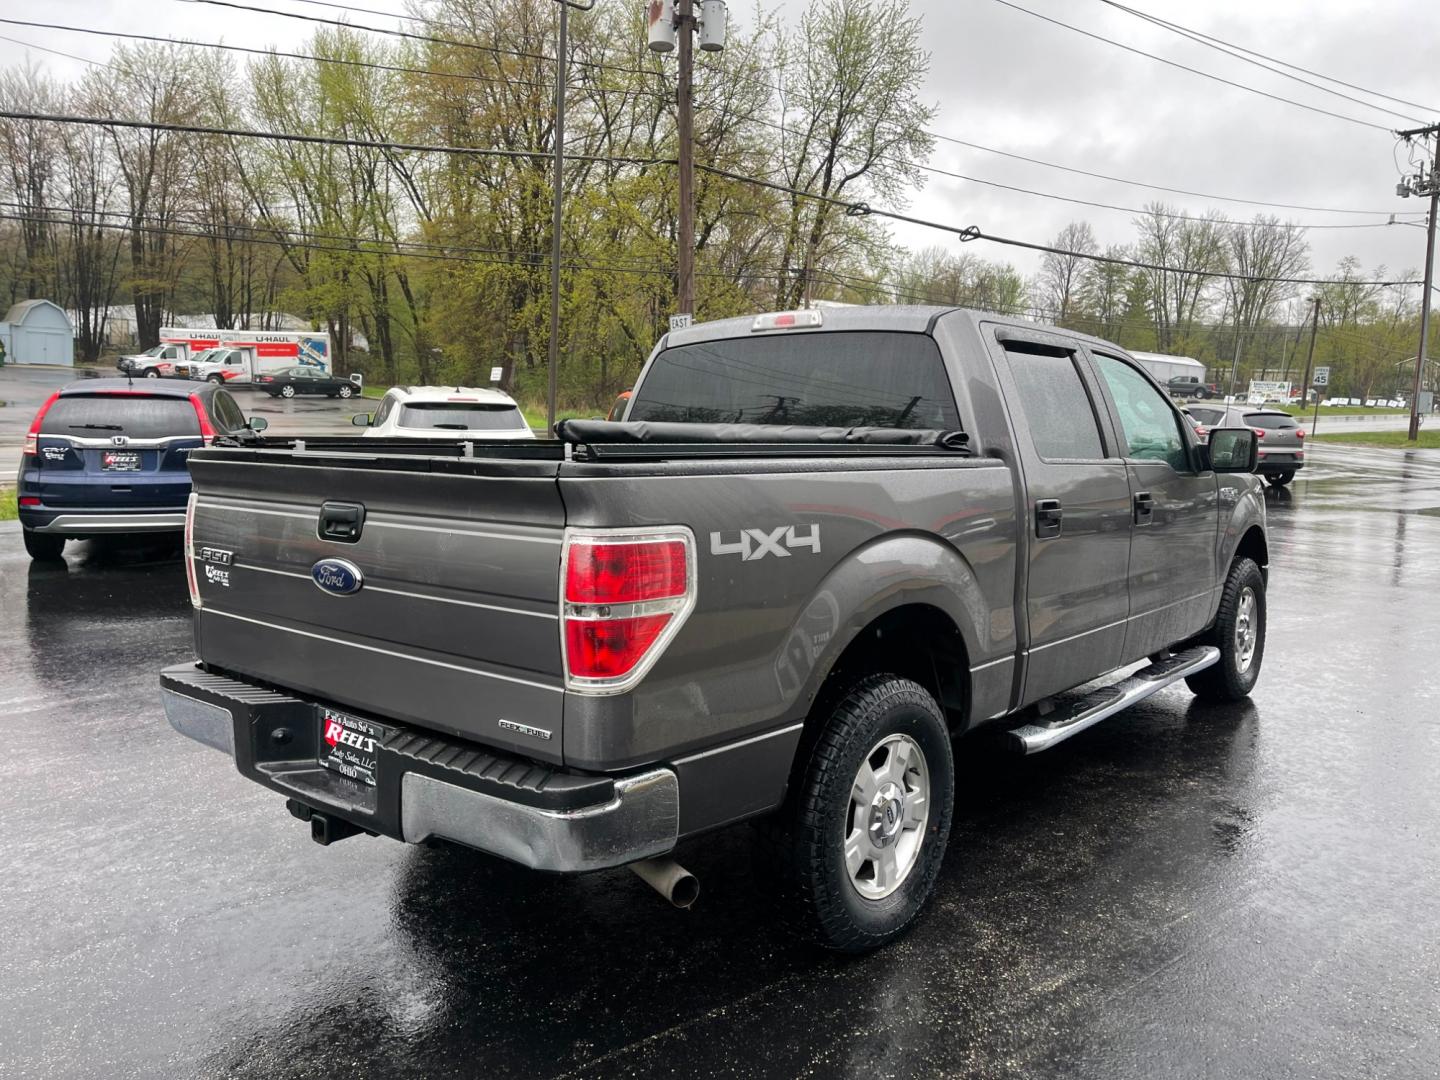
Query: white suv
point(446, 412)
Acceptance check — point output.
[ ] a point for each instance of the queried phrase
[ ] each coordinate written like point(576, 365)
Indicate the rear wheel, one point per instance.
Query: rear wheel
point(1239, 634)
point(287, 391)
point(859, 844)
point(346, 391)
point(43, 547)
point(1280, 479)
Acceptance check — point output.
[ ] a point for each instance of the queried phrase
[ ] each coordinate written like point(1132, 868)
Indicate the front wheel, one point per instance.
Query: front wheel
point(43, 547)
point(152, 373)
point(217, 379)
point(287, 391)
point(1239, 634)
point(346, 391)
point(859, 844)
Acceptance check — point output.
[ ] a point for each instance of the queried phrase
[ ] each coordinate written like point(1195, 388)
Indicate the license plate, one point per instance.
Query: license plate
point(348, 745)
point(120, 461)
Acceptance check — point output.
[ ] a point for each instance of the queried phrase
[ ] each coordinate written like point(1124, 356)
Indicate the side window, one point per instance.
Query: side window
point(383, 414)
point(1056, 405)
point(1150, 426)
point(228, 412)
point(233, 358)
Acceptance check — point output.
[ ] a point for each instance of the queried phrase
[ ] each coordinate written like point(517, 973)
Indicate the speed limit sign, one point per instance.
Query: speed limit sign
point(1322, 376)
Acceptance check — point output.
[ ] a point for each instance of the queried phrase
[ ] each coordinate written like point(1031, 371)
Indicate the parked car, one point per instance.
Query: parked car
point(921, 522)
point(1189, 386)
point(617, 408)
point(1282, 437)
point(104, 458)
point(446, 412)
point(292, 381)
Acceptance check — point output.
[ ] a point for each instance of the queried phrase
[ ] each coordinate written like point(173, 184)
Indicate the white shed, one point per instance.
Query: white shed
point(38, 332)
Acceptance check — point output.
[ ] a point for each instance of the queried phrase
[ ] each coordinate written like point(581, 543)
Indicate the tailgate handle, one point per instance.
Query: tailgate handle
point(341, 522)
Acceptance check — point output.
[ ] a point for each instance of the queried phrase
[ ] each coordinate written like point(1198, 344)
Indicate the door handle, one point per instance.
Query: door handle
point(341, 522)
point(1144, 508)
point(1048, 518)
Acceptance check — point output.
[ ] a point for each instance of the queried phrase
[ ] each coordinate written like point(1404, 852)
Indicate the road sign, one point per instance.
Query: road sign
point(680, 322)
point(1322, 376)
point(496, 374)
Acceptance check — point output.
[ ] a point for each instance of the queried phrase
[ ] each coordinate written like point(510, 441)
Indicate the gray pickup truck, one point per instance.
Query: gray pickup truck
point(819, 549)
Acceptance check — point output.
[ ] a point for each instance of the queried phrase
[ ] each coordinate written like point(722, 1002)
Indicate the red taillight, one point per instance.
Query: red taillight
point(628, 572)
point(1201, 430)
point(1300, 433)
point(32, 437)
point(1259, 432)
point(29, 500)
point(625, 595)
point(207, 433)
point(189, 553)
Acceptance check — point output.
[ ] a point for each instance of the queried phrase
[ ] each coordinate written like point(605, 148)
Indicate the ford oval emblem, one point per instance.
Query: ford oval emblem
point(337, 576)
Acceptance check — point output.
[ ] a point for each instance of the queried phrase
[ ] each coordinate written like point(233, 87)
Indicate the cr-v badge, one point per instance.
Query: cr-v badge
point(339, 577)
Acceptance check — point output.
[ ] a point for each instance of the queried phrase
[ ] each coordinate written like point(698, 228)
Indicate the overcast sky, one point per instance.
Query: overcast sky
point(1007, 80)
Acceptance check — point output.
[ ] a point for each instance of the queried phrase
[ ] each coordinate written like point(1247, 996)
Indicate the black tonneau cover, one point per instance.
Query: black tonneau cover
point(641, 431)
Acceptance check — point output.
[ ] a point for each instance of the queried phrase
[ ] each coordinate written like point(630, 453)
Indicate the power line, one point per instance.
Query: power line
point(1223, 46)
point(321, 140)
point(1199, 39)
point(1184, 67)
point(653, 72)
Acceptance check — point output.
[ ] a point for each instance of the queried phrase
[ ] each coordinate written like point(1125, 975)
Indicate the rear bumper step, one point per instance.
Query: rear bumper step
point(430, 787)
point(1096, 705)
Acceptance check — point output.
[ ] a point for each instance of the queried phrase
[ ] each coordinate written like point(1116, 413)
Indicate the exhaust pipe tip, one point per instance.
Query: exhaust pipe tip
point(669, 879)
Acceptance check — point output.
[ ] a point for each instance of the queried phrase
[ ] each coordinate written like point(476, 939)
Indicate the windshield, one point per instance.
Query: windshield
point(461, 416)
point(154, 351)
point(207, 356)
point(91, 416)
point(853, 379)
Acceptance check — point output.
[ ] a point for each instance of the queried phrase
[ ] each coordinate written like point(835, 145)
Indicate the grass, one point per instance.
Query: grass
point(1389, 440)
point(8, 511)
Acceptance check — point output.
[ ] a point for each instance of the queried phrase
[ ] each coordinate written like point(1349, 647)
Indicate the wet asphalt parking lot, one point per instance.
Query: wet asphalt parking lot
point(1182, 891)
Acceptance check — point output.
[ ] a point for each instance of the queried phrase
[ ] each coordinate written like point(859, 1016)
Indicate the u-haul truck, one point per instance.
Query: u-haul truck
point(237, 356)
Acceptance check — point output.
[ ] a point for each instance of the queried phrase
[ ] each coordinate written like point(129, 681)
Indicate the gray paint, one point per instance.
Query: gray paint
point(466, 636)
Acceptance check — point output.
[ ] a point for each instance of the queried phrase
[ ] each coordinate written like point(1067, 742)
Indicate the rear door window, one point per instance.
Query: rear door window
point(1056, 405)
point(460, 416)
point(98, 416)
point(852, 379)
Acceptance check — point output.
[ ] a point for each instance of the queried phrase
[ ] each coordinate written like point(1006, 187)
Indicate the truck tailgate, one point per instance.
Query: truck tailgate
point(454, 626)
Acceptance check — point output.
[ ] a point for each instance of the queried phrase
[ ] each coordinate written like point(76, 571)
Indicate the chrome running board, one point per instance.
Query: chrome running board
point(1098, 704)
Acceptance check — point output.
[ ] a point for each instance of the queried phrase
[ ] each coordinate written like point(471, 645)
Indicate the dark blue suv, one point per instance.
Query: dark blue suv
point(104, 457)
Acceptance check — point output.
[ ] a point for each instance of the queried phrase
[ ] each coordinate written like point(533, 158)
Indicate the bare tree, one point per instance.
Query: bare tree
point(1062, 271)
point(27, 148)
point(1190, 251)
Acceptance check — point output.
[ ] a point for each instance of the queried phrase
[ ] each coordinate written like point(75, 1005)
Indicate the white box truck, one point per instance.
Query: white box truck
point(237, 356)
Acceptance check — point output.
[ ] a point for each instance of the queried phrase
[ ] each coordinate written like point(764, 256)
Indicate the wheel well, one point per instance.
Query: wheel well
point(916, 641)
point(1253, 546)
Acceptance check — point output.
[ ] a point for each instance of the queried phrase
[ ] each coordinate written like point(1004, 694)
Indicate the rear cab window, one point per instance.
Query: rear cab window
point(460, 416)
point(98, 416)
point(829, 379)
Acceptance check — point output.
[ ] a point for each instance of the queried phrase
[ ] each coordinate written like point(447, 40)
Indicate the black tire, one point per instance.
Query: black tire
point(808, 838)
point(151, 373)
point(43, 547)
point(1280, 479)
point(287, 391)
point(218, 380)
point(346, 392)
point(1231, 679)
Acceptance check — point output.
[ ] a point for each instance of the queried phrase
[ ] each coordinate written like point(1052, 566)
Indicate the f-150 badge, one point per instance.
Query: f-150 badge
point(755, 544)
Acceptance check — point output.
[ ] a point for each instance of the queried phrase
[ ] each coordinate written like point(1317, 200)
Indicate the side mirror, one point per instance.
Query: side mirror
point(361, 419)
point(257, 423)
point(1233, 450)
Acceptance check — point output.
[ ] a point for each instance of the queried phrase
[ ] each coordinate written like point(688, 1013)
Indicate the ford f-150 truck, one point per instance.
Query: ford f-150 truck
point(819, 550)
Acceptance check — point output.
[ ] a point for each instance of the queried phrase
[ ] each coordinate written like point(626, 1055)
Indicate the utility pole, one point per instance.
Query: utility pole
point(685, 130)
point(1310, 356)
point(1420, 184)
point(562, 76)
point(669, 20)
